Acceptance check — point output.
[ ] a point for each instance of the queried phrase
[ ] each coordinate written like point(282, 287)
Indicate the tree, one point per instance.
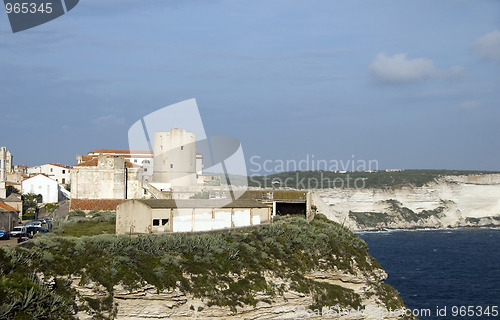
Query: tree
point(30, 201)
point(12, 189)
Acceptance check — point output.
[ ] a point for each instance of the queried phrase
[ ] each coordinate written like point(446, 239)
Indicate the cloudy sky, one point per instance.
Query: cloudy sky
point(411, 84)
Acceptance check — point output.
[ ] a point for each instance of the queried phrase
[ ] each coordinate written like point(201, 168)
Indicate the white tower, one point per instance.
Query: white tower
point(175, 158)
point(3, 169)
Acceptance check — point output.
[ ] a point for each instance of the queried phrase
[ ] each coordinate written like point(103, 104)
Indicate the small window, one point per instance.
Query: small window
point(51, 170)
point(156, 222)
point(171, 166)
point(182, 147)
point(135, 160)
point(64, 171)
point(164, 222)
point(145, 169)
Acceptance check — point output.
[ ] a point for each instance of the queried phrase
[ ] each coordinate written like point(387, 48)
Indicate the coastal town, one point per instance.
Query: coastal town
point(152, 191)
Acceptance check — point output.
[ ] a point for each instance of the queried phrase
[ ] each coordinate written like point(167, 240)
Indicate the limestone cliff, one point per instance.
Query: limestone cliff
point(149, 303)
point(450, 201)
point(291, 269)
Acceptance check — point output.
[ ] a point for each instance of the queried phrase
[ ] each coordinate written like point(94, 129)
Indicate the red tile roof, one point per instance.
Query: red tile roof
point(123, 153)
point(95, 204)
point(40, 174)
point(130, 153)
point(94, 161)
point(89, 163)
point(7, 208)
point(59, 165)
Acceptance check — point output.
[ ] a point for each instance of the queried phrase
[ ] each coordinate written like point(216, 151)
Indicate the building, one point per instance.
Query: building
point(9, 216)
point(43, 186)
point(5, 168)
point(158, 215)
point(143, 158)
point(175, 158)
point(105, 177)
point(15, 201)
point(58, 172)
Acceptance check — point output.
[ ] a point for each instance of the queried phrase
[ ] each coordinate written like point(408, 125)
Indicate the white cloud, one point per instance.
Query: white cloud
point(488, 46)
point(400, 69)
point(109, 120)
point(469, 105)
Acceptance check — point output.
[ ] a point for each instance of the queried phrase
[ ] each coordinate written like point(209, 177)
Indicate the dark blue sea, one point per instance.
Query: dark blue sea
point(454, 271)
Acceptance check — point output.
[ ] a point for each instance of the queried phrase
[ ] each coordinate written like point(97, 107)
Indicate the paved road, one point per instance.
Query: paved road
point(11, 241)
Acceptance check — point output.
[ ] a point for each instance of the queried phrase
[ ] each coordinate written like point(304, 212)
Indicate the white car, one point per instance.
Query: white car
point(17, 231)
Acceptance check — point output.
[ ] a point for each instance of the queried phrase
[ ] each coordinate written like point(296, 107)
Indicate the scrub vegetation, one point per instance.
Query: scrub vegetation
point(225, 268)
point(357, 179)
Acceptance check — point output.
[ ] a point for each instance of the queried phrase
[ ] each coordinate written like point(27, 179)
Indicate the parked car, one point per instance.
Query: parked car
point(32, 230)
point(34, 223)
point(4, 235)
point(17, 231)
point(23, 237)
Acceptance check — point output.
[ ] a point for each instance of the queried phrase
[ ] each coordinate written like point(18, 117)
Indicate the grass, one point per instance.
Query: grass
point(78, 225)
point(222, 268)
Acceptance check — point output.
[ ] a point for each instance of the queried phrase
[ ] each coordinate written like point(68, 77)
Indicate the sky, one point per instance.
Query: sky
point(409, 84)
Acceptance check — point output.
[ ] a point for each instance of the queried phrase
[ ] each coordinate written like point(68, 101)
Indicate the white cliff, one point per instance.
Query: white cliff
point(451, 201)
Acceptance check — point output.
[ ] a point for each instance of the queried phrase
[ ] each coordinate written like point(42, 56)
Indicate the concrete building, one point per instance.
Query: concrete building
point(58, 172)
point(5, 168)
point(175, 158)
point(106, 177)
point(157, 216)
point(43, 186)
point(9, 217)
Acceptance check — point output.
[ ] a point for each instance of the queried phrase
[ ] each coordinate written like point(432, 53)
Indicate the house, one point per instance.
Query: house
point(43, 186)
point(166, 215)
point(143, 158)
point(14, 200)
point(104, 178)
point(9, 216)
point(58, 172)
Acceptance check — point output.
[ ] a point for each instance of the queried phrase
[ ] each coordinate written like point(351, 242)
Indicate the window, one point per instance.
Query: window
point(64, 171)
point(145, 169)
point(182, 147)
point(51, 170)
point(135, 160)
point(145, 161)
point(164, 222)
point(171, 166)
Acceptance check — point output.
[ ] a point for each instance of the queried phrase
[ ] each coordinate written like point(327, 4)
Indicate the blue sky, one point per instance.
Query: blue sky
point(411, 84)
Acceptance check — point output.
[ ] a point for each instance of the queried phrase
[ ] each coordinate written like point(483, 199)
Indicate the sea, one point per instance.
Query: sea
point(442, 274)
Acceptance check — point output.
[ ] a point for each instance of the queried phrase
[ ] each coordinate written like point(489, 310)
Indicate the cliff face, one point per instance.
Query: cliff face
point(289, 269)
point(148, 303)
point(452, 201)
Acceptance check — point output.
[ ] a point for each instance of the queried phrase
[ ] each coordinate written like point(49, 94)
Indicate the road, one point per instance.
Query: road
point(11, 241)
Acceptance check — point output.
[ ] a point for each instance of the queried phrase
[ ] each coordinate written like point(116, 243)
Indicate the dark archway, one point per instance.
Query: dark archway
point(291, 208)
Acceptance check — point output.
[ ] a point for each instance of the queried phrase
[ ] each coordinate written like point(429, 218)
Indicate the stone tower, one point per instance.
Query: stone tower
point(175, 158)
point(5, 167)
